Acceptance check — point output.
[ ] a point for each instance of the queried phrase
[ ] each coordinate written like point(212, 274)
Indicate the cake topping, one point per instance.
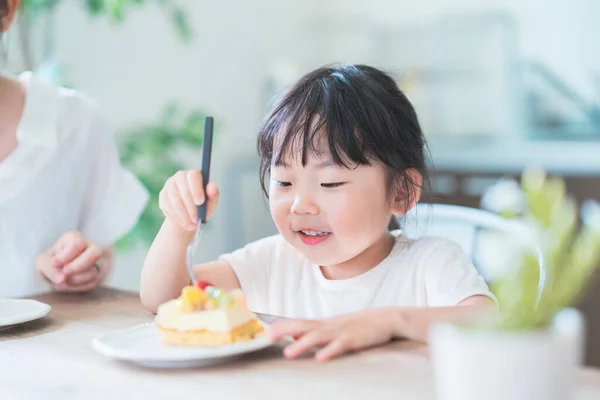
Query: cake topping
point(212, 291)
point(211, 304)
point(194, 298)
point(203, 284)
point(193, 295)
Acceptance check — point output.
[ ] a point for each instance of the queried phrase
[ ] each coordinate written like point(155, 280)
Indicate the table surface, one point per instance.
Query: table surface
point(53, 358)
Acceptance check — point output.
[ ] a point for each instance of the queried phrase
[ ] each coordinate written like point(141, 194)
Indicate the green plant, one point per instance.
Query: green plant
point(571, 253)
point(154, 153)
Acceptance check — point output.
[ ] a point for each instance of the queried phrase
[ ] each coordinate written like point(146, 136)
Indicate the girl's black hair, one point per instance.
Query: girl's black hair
point(360, 113)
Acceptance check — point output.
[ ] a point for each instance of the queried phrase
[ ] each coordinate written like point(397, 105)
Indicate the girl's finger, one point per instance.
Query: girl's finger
point(171, 205)
point(178, 207)
point(165, 206)
point(195, 182)
point(293, 328)
point(186, 196)
point(333, 349)
point(213, 199)
point(307, 342)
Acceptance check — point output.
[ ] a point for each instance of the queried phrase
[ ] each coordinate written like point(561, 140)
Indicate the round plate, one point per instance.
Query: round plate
point(142, 345)
point(18, 311)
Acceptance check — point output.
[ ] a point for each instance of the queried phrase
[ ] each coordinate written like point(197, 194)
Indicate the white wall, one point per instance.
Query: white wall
point(562, 33)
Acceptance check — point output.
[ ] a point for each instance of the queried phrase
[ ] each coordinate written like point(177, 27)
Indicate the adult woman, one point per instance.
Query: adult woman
point(64, 197)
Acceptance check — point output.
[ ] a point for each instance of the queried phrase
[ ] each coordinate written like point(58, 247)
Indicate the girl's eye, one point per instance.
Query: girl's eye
point(282, 184)
point(332, 185)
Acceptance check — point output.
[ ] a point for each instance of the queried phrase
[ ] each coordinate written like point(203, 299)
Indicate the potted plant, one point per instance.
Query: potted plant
point(532, 347)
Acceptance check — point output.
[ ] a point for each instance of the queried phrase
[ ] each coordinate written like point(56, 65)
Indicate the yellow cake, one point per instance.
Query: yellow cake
point(206, 316)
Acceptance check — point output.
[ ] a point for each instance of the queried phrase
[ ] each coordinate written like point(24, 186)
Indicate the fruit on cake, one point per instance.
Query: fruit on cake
point(204, 315)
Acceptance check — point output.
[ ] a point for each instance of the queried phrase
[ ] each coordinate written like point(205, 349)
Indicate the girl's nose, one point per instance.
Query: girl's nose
point(303, 205)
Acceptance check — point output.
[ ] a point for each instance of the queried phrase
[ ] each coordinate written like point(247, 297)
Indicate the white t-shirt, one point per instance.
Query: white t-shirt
point(64, 175)
point(428, 272)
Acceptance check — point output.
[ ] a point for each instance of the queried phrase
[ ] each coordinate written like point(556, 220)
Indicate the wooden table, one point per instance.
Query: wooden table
point(53, 358)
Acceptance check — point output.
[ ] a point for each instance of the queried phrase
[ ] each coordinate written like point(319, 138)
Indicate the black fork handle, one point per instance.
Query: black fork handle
point(206, 154)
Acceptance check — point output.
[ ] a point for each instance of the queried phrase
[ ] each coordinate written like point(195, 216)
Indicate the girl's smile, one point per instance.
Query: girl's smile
point(311, 237)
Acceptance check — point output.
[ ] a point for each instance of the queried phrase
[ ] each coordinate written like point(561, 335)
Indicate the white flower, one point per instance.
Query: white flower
point(504, 197)
point(590, 214)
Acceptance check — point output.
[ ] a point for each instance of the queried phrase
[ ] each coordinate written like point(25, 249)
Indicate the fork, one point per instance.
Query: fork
point(206, 153)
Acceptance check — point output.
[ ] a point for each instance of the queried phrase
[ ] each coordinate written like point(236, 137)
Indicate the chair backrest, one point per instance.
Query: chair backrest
point(468, 227)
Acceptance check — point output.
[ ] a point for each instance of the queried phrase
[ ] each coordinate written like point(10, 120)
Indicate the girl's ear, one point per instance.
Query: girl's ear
point(408, 192)
point(11, 11)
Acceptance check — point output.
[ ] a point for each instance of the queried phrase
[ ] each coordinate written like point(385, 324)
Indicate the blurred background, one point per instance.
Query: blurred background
point(498, 85)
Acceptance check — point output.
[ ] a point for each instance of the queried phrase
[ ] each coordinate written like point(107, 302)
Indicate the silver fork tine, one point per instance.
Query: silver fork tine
point(191, 251)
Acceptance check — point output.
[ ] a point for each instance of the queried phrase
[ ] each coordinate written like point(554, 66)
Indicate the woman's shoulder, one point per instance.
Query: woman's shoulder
point(70, 113)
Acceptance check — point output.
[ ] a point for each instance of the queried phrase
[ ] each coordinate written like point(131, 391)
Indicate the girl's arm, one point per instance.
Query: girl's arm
point(165, 273)
point(414, 323)
point(371, 328)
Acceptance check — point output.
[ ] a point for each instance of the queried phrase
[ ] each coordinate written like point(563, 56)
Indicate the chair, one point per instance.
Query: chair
point(465, 226)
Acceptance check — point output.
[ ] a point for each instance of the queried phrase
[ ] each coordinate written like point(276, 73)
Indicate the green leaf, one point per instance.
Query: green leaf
point(114, 10)
point(179, 18)
point(95, 7)
point(570, 255)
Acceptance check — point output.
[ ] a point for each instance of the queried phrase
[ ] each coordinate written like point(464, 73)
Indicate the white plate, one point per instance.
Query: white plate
point(18, 311)
point(142, 345)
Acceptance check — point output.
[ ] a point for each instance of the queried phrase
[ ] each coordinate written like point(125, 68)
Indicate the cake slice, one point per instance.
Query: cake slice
point(204, 315)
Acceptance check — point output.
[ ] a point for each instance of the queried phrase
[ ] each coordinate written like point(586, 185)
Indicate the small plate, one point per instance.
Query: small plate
point(18, 311)
point(142, 345)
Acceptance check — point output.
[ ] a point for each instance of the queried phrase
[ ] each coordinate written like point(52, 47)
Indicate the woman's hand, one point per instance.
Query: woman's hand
point(74, 264)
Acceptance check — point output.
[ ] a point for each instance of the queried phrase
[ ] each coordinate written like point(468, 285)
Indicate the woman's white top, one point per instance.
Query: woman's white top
point(64, 175)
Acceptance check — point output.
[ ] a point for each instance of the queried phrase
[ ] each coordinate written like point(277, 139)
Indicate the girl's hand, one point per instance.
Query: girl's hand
point(182, 194)
point(336, 335)
point(370, 328)
point(73, 264)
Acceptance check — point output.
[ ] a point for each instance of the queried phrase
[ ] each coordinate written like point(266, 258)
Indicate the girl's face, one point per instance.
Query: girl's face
point(332, 214)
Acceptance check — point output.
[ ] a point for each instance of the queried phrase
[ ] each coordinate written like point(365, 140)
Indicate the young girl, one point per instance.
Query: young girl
point(64, 197)
point(345, 153)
